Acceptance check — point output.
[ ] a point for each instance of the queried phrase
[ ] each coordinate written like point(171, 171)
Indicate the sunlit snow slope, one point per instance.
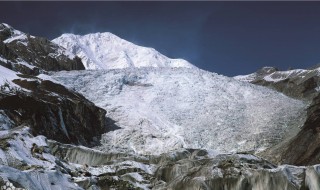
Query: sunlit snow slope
point(161, 109)
point(108, 51)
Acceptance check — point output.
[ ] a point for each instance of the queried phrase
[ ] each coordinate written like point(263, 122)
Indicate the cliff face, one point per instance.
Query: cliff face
point(304, 147)
point(56, 112)
point(31, 107)
point(48, 108)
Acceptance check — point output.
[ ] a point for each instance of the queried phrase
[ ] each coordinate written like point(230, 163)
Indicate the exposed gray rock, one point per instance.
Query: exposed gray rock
point(296, 83)
point(21, 168)
point(186, 169)
point(303, 148)
point(54, 111)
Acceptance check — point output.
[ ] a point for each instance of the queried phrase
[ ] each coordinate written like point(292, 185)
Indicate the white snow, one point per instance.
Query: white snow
point(16, 35)
point(269, 78)
point(7, 75)
point(3, 59)
point(150, 168)
point(42, 173)
point(107, 51)
point(275, 76)
point(163, 109)
point(47, 77)
point(5, 121)
point(282, 75)
point(22, 62)
point(246, 78)
point(32, 179)
point(62, 51)
point(20, 148)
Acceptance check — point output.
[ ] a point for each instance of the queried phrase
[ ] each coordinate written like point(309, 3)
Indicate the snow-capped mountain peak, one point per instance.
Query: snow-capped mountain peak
point(108, 51)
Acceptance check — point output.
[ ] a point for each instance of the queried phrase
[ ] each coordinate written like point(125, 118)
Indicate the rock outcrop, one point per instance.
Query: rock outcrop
point(304, 147)
point(185, 169)
point(297, 83)
point(21, 168)
point(32, 55)
point(52, 110)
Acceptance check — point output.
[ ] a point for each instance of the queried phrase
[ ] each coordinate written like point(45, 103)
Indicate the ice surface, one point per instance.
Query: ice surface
point(162, 109)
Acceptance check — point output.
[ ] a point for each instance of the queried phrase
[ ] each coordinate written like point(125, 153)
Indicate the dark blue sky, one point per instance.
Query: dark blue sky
point(229, 38)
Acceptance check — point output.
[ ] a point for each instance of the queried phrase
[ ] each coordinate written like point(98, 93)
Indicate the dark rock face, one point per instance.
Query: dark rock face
point(38, 52)
point(266, 70)
point(304, 148)
point(294, 87)
point(300, 84)
point(56, 112)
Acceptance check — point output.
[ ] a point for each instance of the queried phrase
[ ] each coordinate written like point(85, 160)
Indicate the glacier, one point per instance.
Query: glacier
point(164, 109)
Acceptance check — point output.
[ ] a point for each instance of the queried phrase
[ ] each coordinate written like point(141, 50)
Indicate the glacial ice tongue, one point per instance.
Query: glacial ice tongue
point(163, 109)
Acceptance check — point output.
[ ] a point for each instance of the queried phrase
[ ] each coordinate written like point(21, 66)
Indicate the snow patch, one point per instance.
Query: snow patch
point(22, 62)
point(7, 75)
point(17, 35)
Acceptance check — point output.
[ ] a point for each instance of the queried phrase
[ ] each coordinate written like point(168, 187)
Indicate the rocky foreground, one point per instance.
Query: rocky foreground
point(29, 162)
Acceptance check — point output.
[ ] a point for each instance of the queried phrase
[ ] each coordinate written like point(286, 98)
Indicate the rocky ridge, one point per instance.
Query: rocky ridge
point(297, 83)
point(54, 111)
point(33, 55)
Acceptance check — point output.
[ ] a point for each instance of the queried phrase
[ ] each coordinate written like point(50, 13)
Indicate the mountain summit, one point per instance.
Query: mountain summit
point(108, 51)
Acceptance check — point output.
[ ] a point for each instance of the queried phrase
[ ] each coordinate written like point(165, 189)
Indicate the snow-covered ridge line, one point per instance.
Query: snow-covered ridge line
point(272, 75)
point(297, 83)
point(33, 55)
point(15, 34)
point(108, 51)
point(21, 37)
